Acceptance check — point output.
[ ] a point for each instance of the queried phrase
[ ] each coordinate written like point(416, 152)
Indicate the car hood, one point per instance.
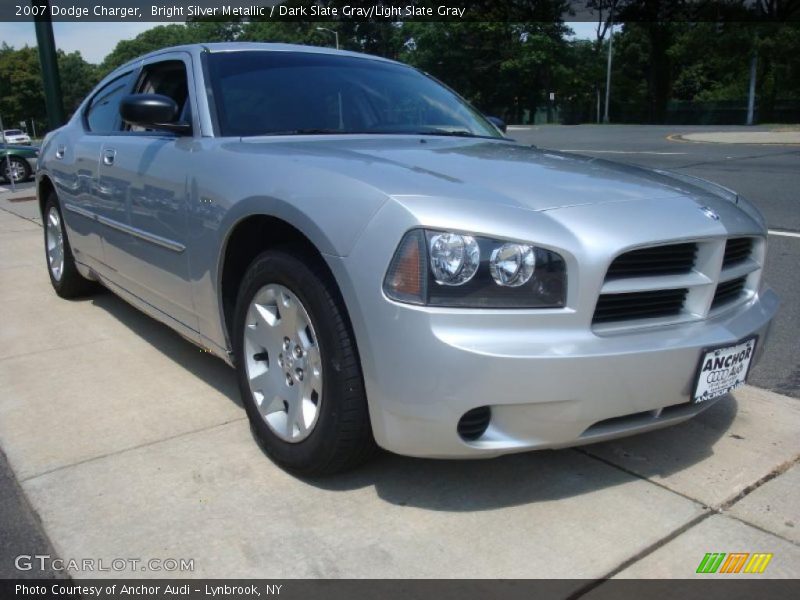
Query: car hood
point(478, 169)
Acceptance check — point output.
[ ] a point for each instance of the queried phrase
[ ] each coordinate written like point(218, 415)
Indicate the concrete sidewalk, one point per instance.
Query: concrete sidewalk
point(131, 443)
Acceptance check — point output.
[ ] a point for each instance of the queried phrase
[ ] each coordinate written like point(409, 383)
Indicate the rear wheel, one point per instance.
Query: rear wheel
point(64, 276)
point(16, 169)
point(297, 366)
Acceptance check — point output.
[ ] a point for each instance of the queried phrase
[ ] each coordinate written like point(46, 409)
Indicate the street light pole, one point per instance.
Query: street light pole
point(334, 32)
point(608, 67)
point(751, 96)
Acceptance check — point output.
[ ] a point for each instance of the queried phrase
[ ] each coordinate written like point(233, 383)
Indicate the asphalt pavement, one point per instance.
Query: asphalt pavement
point(766, 174)
point(21, 532)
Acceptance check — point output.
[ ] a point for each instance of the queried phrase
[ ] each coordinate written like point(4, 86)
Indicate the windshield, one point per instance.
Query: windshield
point(13, 132)
point(288, 93)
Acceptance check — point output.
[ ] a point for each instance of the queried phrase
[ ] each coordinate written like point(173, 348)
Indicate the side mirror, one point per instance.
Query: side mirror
point(498, 122)
point(153, 111)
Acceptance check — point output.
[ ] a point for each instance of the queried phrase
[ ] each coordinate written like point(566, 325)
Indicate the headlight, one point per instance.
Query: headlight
point(454, 258)
point(512, 264)
point(440, 268)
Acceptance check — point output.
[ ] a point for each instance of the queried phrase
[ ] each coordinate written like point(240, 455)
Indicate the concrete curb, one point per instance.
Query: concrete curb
point(758, 138)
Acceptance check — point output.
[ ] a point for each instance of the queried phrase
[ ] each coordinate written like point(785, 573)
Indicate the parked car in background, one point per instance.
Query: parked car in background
point(381, 264)
point(18, 162)
point(16, 136)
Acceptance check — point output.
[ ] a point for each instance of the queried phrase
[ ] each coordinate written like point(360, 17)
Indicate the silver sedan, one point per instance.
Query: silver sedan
point(383, 267)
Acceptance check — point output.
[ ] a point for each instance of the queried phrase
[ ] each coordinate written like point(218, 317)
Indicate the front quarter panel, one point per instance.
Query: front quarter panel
point(229, 182)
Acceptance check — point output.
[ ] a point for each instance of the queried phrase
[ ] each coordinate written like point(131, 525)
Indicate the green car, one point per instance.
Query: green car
point(18, 162)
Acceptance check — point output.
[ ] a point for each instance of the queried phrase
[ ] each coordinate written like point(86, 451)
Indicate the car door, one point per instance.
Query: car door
point(74, 167)
point(142, 178)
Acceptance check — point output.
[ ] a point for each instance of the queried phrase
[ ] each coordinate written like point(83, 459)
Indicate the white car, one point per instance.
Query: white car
point(16, 136)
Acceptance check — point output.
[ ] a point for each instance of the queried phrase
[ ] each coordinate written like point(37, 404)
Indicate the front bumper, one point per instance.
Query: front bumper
point(550, 378)
point(545, 389)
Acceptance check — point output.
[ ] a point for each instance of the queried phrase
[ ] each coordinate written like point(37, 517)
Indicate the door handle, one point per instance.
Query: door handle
point(108, 156)
point(60, 151)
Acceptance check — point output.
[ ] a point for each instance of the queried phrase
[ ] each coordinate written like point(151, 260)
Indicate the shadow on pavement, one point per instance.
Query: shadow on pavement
point(463, 486)
point(22, 533)
point(201, 364)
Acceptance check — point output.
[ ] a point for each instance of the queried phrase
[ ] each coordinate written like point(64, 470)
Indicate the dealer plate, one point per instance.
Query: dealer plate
point(722, 370)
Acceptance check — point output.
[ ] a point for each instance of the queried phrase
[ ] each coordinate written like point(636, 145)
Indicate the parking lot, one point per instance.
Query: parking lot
point(129, 442)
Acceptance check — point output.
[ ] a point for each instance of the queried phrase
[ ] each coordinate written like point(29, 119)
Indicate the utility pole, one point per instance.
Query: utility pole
point(608, 66)
point(597, 94)
point(49, 63)
point(751, 99)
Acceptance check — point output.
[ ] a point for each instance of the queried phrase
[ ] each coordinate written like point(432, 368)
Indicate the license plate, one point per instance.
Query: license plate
point(722, 370)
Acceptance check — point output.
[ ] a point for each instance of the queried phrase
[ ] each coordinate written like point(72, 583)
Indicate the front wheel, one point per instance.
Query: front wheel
point(298, 368)
point(16, 169)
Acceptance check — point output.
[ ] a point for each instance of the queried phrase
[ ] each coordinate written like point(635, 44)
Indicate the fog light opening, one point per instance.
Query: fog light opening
point(473, 423)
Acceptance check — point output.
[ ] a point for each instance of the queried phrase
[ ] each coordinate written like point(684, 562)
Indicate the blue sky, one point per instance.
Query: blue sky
point(95, 40)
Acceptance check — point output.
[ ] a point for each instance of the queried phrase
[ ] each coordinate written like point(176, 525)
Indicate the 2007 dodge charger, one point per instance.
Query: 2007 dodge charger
point(383, 267)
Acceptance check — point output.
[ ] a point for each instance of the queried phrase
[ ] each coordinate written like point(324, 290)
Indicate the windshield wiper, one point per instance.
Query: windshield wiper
point(323, 131)
point(446, 132)
point(308, 131)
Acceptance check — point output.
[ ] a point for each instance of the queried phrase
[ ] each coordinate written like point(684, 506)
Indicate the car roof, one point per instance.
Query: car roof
point(217, 47)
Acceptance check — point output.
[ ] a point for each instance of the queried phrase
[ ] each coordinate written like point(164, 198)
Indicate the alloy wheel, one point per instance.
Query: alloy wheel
point(55, 243)
point(283, 362)
point(13, 169)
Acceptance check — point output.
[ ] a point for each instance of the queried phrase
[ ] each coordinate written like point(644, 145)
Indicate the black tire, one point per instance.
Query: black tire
point(342, 437)
point(20, 164)
point(71, 284)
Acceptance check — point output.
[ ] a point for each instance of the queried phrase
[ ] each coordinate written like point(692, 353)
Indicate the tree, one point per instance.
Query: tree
point(21, 95)
point(164, 36)
point(287, 32)
point(606, 11)
point(580, 86)
point(78, 77)
point(503, 68)
point(719, 71)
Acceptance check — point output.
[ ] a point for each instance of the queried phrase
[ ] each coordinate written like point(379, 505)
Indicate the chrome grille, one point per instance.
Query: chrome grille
point(679, 282)
point(658, 260)
point(737, 250)
point(639, 305)
point(728, 291)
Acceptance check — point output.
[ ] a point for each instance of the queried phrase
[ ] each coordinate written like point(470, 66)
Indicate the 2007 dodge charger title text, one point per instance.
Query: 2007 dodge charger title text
point(380, 264)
